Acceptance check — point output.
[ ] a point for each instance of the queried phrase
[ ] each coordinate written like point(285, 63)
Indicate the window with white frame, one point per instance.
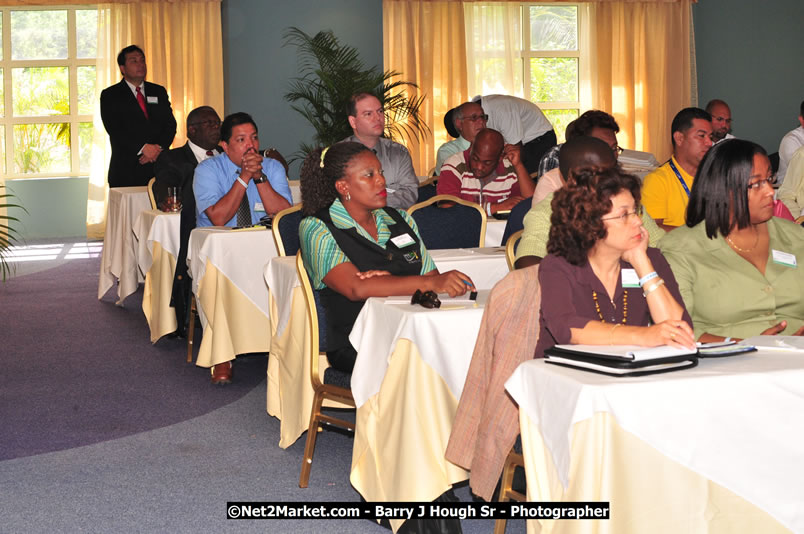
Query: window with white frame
point(527, 49)
point(47, 90)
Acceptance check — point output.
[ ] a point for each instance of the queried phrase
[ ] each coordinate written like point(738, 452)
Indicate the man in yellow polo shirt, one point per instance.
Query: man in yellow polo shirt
point(666, 190)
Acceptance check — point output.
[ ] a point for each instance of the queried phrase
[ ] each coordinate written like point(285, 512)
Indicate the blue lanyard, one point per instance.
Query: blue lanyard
point(680, 179)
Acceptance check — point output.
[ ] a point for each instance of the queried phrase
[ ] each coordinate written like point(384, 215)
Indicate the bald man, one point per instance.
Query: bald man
point(489, 173)
point(721, 120)
point(577, 153)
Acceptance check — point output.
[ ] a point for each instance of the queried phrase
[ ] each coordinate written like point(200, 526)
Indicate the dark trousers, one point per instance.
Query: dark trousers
point(533, 150)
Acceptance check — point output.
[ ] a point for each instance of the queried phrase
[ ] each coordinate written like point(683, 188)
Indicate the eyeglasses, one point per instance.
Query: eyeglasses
point(618, 150)
point(474, 118)
point(759, 183)
point(625, 216)
point(212, 123)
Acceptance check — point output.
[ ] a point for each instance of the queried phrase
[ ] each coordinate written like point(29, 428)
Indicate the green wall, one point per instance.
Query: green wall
point(748, 53)
point(751, 54)
point(258, 69)
point(55, 207)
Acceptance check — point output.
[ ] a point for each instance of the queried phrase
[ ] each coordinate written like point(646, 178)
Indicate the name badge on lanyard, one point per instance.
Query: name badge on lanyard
point(402, 241)
point(680, 179)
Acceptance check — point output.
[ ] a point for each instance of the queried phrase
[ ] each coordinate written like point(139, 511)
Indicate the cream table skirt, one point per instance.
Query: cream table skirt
point(647, 491)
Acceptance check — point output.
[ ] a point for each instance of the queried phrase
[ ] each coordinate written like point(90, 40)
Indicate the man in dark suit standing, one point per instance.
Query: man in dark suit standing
point(176, 168)
point(139, 120)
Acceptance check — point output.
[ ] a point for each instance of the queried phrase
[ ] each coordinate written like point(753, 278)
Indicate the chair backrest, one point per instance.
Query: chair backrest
point(151, 195)
point(462, 225)
point(312, 320)
point(426, 191)
point(516, 220)
point(510, 248)
point(285, 228)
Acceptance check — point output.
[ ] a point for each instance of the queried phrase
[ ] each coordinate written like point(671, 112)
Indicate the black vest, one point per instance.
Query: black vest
point(366, 255)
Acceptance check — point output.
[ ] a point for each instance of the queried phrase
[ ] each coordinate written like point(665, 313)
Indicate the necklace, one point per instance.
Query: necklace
point(600, 314)
point(735, 247)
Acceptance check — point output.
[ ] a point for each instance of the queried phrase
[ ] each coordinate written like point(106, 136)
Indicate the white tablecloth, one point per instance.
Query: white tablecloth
point(485, 267)
point(737, 421)
point(155, 226)
point(241, 255)
point(119, 259)
point(494, 232)
point(445, 338)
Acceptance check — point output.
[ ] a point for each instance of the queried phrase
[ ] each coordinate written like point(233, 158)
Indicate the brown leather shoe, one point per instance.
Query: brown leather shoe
point(222, 373)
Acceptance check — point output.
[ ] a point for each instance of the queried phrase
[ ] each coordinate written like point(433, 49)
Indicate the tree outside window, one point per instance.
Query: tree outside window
point(47, 90)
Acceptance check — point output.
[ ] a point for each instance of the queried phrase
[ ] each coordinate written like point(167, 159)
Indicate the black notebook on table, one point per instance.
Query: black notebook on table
point(621, 360)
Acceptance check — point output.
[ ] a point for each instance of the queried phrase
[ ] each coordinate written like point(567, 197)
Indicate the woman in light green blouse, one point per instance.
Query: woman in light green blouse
point(735, 263)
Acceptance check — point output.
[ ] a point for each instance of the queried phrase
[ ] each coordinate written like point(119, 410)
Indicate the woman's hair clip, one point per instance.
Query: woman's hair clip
point(428, 299)
point(323, 153)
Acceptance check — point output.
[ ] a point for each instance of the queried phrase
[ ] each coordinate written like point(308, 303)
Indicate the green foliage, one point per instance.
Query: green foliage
point(330, 73)
point(41, 91)
point(39, 34)
point(553, 28)
point(8, 234)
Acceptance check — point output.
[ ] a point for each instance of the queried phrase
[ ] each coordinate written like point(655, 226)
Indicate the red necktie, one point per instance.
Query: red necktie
point(141, 100)
point(210, 153)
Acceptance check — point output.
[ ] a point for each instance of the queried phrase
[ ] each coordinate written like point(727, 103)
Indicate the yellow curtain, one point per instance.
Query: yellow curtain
point(183, 47)
point(641, 68)
point(425, 41)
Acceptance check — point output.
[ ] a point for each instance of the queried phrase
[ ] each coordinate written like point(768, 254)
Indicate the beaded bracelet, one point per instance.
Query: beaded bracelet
point(647, 277)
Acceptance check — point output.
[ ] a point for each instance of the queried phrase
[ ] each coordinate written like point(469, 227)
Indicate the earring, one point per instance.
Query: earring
point(348, 196)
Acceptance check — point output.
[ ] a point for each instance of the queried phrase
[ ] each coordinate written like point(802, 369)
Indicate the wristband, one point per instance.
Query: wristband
point(488, 209)
point(244, 184)
point(647, 277)
point(652, 288)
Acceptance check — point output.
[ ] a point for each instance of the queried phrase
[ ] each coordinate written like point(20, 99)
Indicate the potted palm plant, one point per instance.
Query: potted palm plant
point(8, 234)
point(330, 73)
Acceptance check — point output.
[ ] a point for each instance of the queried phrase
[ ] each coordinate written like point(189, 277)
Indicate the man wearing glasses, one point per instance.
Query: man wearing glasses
point(593, 123)
point(468, 119)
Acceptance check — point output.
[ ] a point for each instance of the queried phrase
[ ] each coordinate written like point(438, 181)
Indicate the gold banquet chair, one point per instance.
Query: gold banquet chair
point(151, 195)
point(462, 225)
point(507, 491)
point(510, 248)
point(285, 227)
point(323, 391)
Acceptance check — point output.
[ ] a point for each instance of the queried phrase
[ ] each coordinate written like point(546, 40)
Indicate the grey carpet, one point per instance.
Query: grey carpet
point(167, 476)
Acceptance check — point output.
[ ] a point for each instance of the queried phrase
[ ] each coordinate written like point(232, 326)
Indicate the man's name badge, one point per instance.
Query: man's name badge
point(630, 278)
point(402, 241)
point(152, 99)
point(259, 207)
point(784, 258)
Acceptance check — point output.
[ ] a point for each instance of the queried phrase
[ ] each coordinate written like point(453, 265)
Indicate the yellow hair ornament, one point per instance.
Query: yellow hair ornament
point(323, 153)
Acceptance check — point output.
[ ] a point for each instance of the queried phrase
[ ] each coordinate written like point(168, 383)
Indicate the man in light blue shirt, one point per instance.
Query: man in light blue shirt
point(239, 175)
point(468, 118)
